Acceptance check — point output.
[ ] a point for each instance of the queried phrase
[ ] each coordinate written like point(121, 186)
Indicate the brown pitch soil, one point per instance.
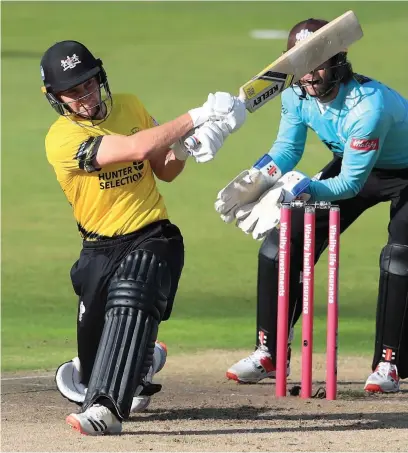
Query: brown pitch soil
point(199, 410)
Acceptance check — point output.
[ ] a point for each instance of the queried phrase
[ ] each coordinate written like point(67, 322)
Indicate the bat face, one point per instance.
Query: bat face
point(309, 54)
point(303, 58)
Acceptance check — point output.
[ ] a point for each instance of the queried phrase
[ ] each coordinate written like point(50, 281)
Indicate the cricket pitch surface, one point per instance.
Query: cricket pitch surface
point(199, 410)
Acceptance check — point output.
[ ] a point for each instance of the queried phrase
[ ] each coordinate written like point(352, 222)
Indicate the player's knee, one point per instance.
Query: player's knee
point(269, 250)
point(142, 282)
point(394, 259)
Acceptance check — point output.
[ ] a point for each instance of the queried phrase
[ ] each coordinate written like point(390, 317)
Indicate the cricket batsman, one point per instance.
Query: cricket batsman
point(365, 126)
point(107, 151)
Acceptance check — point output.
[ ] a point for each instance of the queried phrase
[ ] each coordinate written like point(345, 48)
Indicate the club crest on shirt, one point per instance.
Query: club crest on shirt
point(134, 130)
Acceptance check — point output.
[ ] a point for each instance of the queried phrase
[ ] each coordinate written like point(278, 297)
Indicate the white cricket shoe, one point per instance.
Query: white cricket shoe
point(255, 367)
point(140, 403)
point(68, 379)
point(385, 379)
point(96, 420)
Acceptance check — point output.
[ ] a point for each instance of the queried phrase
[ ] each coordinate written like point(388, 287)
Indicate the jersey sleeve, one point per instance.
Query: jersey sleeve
point(151, 121)
point(289, 145)
point(363, 146)
point(72, 152)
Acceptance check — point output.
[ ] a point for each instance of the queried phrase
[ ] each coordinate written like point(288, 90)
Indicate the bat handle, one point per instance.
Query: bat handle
point(242, 95)
point(192, 143)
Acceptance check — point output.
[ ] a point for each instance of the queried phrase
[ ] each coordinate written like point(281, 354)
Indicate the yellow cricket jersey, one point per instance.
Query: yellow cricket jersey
point(116, 199)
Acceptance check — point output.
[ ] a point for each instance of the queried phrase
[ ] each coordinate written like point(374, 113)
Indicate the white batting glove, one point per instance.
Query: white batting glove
point(263, 216)
point(230, 109)
point(179, 148)
point(210, 138)
point(220, 106)
point(247, 187)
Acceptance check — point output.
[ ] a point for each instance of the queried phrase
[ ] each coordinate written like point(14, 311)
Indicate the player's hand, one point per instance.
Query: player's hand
point(220, 106)
point(211, 136)
point(230, 109)
point(179, 148)
point(261, 217)
point(247, 187)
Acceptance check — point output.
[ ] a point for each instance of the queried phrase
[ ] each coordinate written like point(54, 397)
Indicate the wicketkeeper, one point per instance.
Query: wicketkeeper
point(106, 152)
point(365, 126)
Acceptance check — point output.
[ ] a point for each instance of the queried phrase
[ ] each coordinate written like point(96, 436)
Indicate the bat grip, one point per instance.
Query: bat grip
point(191, 143)
point(242, 95)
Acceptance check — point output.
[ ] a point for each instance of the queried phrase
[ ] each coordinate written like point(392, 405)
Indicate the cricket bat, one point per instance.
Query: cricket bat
point(304, 57)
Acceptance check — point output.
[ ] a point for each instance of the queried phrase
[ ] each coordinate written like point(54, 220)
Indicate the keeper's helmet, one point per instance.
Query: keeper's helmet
point(341, 69)
point(66, 65)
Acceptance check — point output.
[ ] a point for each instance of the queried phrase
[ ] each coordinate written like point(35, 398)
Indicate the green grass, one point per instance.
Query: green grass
point(171, 55)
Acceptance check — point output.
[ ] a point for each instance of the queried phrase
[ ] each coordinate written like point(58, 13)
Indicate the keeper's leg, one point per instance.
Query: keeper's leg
point(268, 267)
point(261, 363)
point(390, 360)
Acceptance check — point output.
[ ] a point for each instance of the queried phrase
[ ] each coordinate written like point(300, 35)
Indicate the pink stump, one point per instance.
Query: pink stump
point(332, 303)
point(308, 300)
point(283, 300)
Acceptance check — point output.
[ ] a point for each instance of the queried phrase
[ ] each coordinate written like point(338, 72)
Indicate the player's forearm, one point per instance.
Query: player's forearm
point(144, 145)
point(157, 140)
point(288, 148)
point(168, 168)
point(332, 189)
point(355, 169)
point(285, 155)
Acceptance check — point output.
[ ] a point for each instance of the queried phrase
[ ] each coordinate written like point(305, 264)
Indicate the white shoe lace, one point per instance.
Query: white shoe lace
point(385, 369)
point(262, 351)
point(98, 411)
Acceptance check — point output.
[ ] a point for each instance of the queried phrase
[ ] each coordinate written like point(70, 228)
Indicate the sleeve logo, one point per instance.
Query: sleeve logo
point(362, 144)
point(272, 169)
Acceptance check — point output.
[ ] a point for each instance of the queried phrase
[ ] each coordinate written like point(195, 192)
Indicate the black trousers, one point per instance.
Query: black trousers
point(97, 264)
point(381, 186)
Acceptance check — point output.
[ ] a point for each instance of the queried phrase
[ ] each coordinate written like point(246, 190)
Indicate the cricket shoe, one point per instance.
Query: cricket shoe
point(385, 379)
point(255, 367)
point(68, 380)
point(95, 421)
point(142, 401)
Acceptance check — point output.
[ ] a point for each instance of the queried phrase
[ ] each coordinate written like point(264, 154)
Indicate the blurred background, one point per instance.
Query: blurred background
point(172, 54)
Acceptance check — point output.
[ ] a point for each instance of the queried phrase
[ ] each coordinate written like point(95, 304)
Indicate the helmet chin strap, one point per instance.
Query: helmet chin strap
point(95, 115)
point(102, 104)
point(332, 84)
point(105, 102)
point(329, 90)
